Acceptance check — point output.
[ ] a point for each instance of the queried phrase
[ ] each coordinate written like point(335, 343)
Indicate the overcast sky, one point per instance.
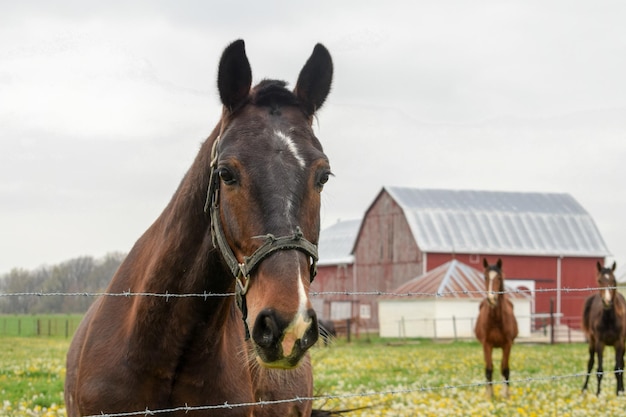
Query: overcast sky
point(103, 106)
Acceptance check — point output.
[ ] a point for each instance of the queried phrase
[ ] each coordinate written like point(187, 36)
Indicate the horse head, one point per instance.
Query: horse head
point(494, 281)
point(268, 170)
point(606, 284)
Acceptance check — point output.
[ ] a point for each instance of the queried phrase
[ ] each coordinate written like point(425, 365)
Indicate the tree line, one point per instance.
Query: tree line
point(79, 275)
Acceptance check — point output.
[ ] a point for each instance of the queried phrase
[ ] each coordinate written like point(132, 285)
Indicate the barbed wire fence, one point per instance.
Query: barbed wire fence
point(206, 295)
point(405, 391)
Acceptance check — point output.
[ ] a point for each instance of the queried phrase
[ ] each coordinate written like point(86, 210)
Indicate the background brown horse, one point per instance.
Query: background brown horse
point(496, 325)
point(604, 323)
point(255, 234)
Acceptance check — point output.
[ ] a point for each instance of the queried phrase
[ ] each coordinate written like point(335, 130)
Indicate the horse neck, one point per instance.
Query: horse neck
point(617, 309)
point(176, 252)
point(176, 255)
point(497, 311)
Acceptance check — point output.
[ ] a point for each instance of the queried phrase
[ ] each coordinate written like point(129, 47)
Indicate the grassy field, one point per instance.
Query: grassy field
point(53, 325)
point(432, 379)
point(419, 378)
point(32, 371)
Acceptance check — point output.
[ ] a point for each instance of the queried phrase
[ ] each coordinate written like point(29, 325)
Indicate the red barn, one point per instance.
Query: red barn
point(547, 242)
point(335, 272)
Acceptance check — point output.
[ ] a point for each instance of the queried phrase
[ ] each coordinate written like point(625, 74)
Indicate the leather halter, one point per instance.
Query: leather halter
point(242, 270)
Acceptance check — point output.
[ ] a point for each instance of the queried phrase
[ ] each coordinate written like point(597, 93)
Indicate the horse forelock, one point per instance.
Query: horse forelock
point(273, 93)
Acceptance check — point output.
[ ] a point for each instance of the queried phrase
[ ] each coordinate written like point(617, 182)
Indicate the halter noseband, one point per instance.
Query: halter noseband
point(242, 270)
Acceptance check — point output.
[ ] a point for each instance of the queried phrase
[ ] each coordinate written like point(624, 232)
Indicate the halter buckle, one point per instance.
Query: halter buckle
point(243, 274)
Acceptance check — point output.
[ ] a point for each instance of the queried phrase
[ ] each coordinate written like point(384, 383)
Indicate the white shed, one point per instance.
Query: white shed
point(443, 303)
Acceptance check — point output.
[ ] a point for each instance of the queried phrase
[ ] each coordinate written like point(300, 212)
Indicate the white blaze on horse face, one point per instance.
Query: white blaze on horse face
point(291, 145)
point(301, 322)
point(490, 295)
point(287, 141)
point(606, 294)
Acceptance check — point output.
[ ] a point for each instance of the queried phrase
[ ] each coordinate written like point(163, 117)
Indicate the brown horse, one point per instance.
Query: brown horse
point(254, 235)
point(496, 325)
point(604, 323)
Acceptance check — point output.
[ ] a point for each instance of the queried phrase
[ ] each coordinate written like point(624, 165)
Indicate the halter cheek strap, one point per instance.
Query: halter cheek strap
point(242, 270)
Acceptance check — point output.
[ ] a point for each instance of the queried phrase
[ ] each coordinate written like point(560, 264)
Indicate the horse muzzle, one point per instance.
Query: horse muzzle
point(282, 344)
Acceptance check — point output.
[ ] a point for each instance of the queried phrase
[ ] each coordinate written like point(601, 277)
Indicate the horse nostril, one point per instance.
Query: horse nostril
point(310, 336)
point(265, 332)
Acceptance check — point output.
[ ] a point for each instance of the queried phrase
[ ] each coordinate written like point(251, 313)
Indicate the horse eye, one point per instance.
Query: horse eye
point(227, 176)
point(323, 178)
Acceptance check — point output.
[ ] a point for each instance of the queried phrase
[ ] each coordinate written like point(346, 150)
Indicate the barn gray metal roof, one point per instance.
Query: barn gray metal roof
point(336, 243)
point(517, 223)
point(453, 279)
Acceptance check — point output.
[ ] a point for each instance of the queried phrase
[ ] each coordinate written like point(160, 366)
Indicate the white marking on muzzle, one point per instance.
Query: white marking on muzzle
point(607, 296)
point(301, 322)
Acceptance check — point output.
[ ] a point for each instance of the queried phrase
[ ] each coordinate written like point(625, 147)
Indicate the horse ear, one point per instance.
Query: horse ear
point(234, 76)
point(485, 263)
point(599, 266)
point(614, 266)
point(499, 263)
point(315, 79)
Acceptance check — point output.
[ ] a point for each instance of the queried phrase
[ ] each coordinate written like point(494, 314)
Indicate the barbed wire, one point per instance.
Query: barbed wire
point(404, 391)
point(129, 293)
point(205, 294)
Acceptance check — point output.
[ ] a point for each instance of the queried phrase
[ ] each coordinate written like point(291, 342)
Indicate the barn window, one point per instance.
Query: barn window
point(340, 310)
point(365, 311)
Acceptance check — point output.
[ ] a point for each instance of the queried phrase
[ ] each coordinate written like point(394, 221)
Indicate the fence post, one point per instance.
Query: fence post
point(569, 334)
point(435, 328)
point(67, 328)
point(38, 327)
point(552, 321)
point(454, 326)
point(348, 330)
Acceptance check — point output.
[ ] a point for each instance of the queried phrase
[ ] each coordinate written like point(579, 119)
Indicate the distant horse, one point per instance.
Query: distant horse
point(242, 228)
point(604, 323)
point(496, 325)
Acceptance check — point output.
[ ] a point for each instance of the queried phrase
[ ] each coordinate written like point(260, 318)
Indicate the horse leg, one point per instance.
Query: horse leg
point(600, 371)
point(619, 367)
point(506, 351)
point(592, 354)
point(487, 351)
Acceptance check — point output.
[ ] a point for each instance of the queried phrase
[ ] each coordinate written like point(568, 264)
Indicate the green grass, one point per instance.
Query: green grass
point(32, 373)
point(424, 377)
point(419, 377)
